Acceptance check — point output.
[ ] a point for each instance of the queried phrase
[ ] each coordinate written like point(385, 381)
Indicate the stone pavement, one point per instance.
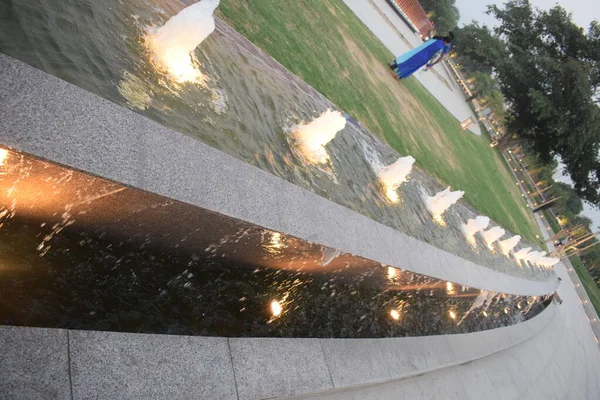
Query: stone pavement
point(561, 362)
point(393, 32)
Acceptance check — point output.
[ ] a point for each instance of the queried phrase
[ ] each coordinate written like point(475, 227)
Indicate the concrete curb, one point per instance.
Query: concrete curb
point(57, 363)
point(54, 120)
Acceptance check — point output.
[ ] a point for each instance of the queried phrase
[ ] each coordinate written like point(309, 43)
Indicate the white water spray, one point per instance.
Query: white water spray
point(491, 235)
point(548, 261)
point(441, 201)
point(522, 254)
point(328, 255)
point(507, 245)
point(473, 226)
point(173, 43)
point(313, 137)
point(394, 175)
point(535, 256)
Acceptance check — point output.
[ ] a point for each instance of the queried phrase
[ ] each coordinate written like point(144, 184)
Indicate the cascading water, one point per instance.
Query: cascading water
point(313, 137)
point(491, 235)
point(394, 175)
point(507, 245)
point(441, 201)
point(473, 226)
point(173, 43)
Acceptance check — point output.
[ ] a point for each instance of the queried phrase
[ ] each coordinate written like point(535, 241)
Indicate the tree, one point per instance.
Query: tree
point(443, 13)
point(476, 48)
point(548, 72)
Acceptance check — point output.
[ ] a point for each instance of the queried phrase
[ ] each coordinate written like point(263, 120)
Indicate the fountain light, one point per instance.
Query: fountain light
point(173, 43)
point(391, 273)
point(313, 137)
point(276, 240)
point(450, 288)
point(452, 314)
point(276, 308)
point(394, 175)
point(485, 314)
point(395, 314)
point(3, 156)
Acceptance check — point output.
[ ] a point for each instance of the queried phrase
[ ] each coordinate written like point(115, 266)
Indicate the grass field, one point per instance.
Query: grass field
point(325, 44)
point(588, 283)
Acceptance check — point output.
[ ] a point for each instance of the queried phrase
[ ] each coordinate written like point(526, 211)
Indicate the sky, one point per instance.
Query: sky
point(584, 11)
point(592, 213)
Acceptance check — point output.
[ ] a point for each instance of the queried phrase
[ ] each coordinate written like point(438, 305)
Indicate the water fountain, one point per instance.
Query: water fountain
point(173, 43)
point(548, 262)
point(521, 254)
point(492, 235)
point(507, 245)
point(473, 226)
point(441, 201)
point(534, 256)
point(394, 175)
point(329, 255)
point(313, 137)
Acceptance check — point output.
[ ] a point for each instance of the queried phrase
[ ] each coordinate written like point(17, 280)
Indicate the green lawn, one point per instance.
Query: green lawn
point(325, 44)
point(588, 283)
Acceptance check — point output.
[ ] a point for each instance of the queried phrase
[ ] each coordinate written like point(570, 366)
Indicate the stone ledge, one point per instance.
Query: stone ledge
point(53, 363)
point(54, 120)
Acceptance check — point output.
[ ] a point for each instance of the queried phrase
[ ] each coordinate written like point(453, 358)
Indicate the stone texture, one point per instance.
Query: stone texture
point(51, 119)
point(269, 367)
point(355, 361)
point(109, 365)
point(34, 363)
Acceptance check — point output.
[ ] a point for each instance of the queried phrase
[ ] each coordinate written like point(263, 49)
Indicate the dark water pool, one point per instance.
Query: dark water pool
point(81, 252)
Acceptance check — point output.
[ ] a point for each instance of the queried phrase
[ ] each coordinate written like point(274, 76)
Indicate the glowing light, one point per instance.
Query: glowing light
point(450, 288)
point(3, 156)
point(391, 273)
point(276, 242)
point(276, 308)
point(394, 175)
point(519, 306)
point(452, 314)
point(173, 43)
point(485, 314)
point(438, 219)
point(313, 137)
point(505, 310)
point(392, 194)
point(395, 315)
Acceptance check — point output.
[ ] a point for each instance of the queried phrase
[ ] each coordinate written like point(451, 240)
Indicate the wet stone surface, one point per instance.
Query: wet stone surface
point(81, 252)
point(246, 106)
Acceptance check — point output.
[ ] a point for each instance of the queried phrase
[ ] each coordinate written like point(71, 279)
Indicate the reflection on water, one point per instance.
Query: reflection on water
point(80, 252)
point(244, 103)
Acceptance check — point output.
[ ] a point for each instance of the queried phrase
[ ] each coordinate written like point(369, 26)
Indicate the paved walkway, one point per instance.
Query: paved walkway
point(393, 32)
point(561, 362)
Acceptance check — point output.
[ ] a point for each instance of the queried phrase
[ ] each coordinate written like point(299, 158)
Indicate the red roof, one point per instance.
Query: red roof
point(416, 15)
